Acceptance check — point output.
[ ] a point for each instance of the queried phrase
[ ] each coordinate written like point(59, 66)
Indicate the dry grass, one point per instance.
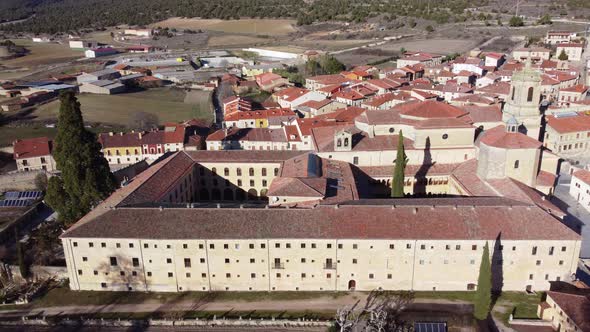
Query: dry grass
point(442, 46)
point(42, 54)
point(167, 104)
point(248, 26)
point(234, 40)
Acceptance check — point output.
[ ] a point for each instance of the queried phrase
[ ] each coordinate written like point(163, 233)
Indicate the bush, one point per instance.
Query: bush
point(429, 28)
point(516, 21)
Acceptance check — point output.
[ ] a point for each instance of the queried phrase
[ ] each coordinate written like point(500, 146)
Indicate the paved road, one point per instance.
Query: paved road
point(148, 329)
point(578, 217)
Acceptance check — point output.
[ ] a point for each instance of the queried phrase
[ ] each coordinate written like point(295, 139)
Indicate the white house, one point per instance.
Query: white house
point(580, 188)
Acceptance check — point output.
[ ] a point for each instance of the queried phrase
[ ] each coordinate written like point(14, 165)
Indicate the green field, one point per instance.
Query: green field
point(167, 103)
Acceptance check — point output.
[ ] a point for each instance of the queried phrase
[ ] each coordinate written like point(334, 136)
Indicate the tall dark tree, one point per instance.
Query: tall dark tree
point(85, 175)
point(397, 185)
point(483, 297)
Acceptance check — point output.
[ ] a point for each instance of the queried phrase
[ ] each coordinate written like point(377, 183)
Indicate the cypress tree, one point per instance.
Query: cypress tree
point(397, 185)
point(85, 175)
point(483, 297)
point(563, 56)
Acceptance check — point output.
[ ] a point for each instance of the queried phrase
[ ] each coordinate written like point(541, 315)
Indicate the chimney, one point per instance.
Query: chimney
point(140, 134)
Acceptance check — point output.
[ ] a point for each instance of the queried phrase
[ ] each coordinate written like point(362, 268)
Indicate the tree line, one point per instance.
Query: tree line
point(72, 15)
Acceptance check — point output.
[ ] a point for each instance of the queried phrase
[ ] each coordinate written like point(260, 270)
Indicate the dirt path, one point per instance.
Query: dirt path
point(318, 304)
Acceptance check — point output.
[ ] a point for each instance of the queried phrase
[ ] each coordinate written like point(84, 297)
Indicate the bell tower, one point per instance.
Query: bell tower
point(523, 100)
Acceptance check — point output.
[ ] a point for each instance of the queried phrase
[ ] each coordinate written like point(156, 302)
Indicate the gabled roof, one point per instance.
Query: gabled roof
point(575, 306)
point(429, 109)
point(569, 124)
point(32, 147)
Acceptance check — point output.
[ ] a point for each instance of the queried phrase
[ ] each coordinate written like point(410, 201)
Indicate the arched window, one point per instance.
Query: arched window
point(346, 141)
point(513, 92)
point(226, 171)
point(239, 172)
point(276, 172)
point(264, 171)
point(251, 171)
point(516, 164)
point(339, 142)
point(214, 170)
point(529, 96)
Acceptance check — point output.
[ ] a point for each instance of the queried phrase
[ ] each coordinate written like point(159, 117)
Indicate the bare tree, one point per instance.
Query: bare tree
point(381, 312)
point(143, 121)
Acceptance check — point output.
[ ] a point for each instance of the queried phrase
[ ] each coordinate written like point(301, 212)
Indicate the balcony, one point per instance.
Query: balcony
point(329, 266)
point(278, 266)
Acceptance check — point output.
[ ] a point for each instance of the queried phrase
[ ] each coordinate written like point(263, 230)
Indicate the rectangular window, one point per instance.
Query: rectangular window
point(288, 245)
point(130, 245)
point(534, 251)
point(251, 245)
point(391, 246)
point(113, 261)
point(145, 245)
point(563, 249)
point(201, 246)
point(458, 247)
point(422, 246)
point(303, 260)
point(149, 274)
point(277, 245)
point(188, 274)
point(170, 274)
point(262, 245)
point(253, 275)
point(354, 261)
point(228, 275)
point(329, 246)
point(339, 245)
point(355, 246)
point(252, 260)
point(90, 245)
point(551, 249)
point(202, 260)
point(187, 262)
point(203, 275)
point(84, 259)
point(227, 261)
point(303, 275)
point(389, 276)
point(135, 261)
point(371, 276)
point(474, 247)
point(225, 246)
point(185, 246)
point(169, 260)
point(103, 245)
point(79, 272)
point(408, 246)
point(211, 246)
point(313, 246)
point(303, 246)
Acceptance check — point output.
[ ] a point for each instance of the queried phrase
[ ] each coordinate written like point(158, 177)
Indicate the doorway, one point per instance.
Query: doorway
point(351, 285)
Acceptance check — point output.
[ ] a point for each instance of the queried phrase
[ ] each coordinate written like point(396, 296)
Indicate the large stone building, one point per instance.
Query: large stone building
point(292, 220)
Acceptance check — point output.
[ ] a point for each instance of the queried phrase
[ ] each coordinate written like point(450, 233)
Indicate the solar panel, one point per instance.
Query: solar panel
point(23, 195)
point(430, 327)
point(11, 195)
point(16, 202)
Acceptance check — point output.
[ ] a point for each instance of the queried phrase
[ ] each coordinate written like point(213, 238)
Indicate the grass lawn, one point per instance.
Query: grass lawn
point(63, 296)
point(167, 103)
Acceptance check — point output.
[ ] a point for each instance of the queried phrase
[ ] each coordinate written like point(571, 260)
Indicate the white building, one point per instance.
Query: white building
point(580, 188)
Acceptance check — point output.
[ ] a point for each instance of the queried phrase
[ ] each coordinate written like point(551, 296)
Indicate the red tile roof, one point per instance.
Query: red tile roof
point(578, 88)
point(569, 124)
point(500, 138)
point(32, 147)
point(432, 219)
point(260, 114)
point(583, 175)
point(576, 307)
point(429, 109)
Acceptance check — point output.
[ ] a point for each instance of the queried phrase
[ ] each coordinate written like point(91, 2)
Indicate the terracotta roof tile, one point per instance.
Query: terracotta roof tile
point(32, 147)
point(500, 138)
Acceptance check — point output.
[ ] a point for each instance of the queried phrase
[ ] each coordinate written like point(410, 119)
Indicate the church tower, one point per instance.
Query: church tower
point(523, 100)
